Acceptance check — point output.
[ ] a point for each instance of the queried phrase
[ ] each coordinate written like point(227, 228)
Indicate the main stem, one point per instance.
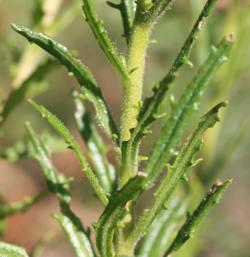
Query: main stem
point(133, 85)
point(132, 92)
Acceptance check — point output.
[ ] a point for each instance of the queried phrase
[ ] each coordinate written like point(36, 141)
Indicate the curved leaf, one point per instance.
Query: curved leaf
point(73, 229)
point(188, 229)
point(150, 108)
point(65, 133)
point(89, 87)
point(176, 173)
point(59, 185)
point(7, 210)
point(96, 25)
point(19, 94)
point(9, 250)
point(172, 130)
point(97, 149)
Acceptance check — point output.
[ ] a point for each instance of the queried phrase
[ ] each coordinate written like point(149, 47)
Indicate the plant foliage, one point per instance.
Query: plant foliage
point(120, 230)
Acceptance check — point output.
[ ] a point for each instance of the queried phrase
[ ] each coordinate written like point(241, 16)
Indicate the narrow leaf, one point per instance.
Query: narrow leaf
point(73, 229)
point(19, 94)
point(150, 109)
point(188, 229)
point(175, 173)
point(57, 182)
point(162, 229)
point(7, 210)
point(96, 25)
point(97, 149)
point(64, 132)
point(89, 87)
point(22, 148)
point(172, 130)
point(151, 104)
point(127, 10)
point(59, 185)
point(137, 185)
point(41, 245)
point(9, 250)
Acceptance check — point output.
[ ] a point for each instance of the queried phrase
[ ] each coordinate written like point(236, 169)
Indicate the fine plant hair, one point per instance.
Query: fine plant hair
point(122, 230)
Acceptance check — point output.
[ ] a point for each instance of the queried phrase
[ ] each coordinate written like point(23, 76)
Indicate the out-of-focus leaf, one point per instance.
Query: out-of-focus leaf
point(64, 132)
point(9, 250)
point(59, 184)
point(97, 148)
point(74, 230)
point(2, 227)
point(19, 94)
point(162, 229)
point(42, 243)
point(22, 148)
point(7, 210)
point(37, 13)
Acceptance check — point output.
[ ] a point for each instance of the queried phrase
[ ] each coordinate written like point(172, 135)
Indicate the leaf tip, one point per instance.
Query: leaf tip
point(16, 27)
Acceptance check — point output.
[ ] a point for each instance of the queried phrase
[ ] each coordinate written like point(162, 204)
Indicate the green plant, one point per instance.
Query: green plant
point(121, 230)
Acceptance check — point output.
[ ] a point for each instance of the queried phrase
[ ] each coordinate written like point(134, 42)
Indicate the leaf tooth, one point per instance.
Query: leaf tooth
point(157, 115)
point(187, 61)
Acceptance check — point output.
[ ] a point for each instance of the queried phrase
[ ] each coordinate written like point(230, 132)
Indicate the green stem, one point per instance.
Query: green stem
point(132, 92)
point(133, 86)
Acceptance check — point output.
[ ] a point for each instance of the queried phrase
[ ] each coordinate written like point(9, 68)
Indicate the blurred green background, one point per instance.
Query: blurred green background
point(226, 148)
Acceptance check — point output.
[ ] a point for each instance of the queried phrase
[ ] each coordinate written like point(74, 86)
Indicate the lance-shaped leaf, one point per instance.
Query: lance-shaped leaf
point(140, 183)
point(149, 111)
point(74, 230)
point(96, 25)
point(19, 94)
point(17, 151)
point(64, 132)
point(97, 149)
point(83, 75)
point(9, 250)
point(162, 229)
point(127, 10)
point(7, 210)
point(151, 104)
point(189, 101)
point(189, 227)
point(176, 173)
point(22, 148)
point(59, 185)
